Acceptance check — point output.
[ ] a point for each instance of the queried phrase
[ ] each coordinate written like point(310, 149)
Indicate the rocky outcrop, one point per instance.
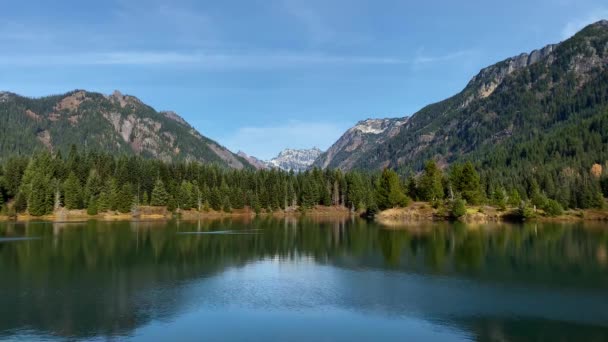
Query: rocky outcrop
point(491, 77)
point(173, 116)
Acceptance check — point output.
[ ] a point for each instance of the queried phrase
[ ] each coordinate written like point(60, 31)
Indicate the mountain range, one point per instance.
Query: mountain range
point(545, 108)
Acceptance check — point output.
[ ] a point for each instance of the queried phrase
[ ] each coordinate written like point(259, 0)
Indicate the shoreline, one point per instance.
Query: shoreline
point(161, 214)
point(417, 212)
point(424, 212)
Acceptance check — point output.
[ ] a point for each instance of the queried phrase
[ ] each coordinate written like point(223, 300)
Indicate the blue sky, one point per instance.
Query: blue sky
point(263, 75)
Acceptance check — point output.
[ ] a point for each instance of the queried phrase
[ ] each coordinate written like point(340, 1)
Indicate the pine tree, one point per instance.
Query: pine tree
point(40, 200)
point(160, 197)
point(183, 199)
point(113, 193)
point(466, 181)
point(215, 199)
point(411, 187)
point(309, 194)
point(388, 191)
point(499, 198)
point(72, 190)
point(255, 204)
point(93, 186)
point(195, 197)
point(171, 204)
point(356, 192)
point(430, 187)
point(514, 198)
point(103, 202)
point(125, 198)
point(92, 206)
point(226, 205)
point(20, 204)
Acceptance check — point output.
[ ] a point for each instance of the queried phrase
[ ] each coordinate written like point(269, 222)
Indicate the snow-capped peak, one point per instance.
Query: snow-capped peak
point(294, 159)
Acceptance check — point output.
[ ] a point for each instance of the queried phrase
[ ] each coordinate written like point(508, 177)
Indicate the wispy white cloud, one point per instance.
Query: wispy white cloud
point(577, 24)
point(219, 61)
point(266, 142)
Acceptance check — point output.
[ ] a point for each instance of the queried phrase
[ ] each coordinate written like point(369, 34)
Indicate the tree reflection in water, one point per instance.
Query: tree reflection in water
point(93, 278)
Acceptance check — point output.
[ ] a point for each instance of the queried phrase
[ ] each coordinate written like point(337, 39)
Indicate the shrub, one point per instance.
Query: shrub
point(459, 208)
point(525, 211)
point(553, 208)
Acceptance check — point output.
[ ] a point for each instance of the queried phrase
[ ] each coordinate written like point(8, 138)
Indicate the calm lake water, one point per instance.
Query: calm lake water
point(302, 279)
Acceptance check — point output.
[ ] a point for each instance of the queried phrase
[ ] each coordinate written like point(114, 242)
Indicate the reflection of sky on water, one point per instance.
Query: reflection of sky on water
point(313, 280)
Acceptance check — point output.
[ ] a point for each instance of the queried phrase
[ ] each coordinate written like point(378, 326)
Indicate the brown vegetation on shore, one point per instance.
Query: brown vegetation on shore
point(161, 213)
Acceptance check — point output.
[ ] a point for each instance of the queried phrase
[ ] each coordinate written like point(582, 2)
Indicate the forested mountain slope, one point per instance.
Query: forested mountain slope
point(118, 124)
point(543, 110)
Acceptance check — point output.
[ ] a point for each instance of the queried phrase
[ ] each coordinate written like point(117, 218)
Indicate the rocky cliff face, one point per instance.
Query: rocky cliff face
point(114, 123)
point(364, 136)
point(491, 77)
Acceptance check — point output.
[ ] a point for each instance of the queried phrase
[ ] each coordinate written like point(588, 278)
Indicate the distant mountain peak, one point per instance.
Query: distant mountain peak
point(295, 159)
point(364, 136)
point(290, 159)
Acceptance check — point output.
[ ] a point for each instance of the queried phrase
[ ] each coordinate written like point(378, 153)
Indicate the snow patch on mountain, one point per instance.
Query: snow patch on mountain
point(296, 160)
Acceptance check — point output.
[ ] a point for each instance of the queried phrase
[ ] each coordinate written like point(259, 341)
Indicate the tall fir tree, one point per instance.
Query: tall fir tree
point(72, 192)
point(466, 181)
point(430, 187)
point(125, 198)
point(388, 191)
point(160, 197)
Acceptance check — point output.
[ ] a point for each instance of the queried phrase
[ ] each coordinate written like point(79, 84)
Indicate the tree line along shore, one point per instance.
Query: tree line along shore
point(98, 184)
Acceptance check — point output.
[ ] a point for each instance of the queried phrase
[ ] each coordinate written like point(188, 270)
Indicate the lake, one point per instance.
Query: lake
point(302, 279)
